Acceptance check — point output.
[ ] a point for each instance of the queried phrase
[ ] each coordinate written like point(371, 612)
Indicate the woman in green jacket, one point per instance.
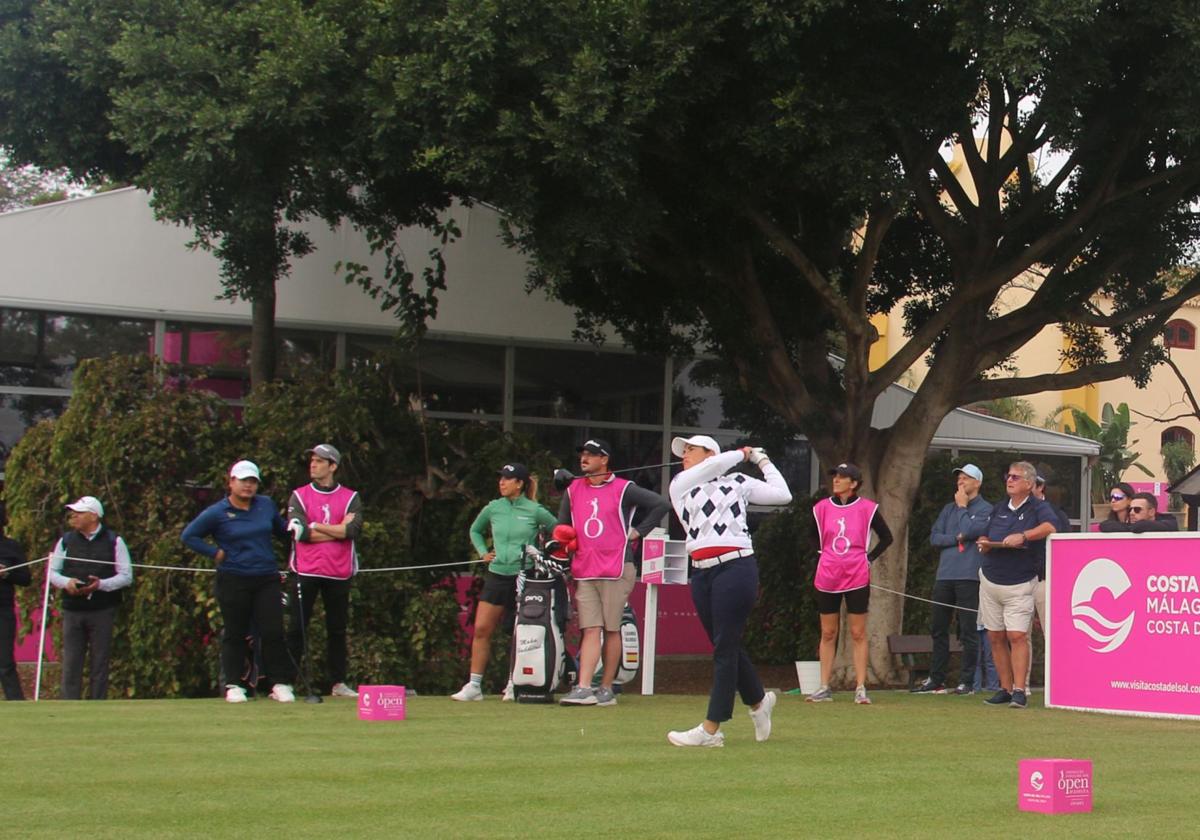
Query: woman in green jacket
point(514, 520)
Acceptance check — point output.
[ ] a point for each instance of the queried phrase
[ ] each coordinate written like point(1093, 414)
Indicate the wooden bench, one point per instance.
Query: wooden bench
point(908, 648)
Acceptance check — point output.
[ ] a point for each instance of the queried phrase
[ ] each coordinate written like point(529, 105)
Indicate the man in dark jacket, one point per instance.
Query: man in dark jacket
point(956, 587)
point(91, 565)
point(10, 555)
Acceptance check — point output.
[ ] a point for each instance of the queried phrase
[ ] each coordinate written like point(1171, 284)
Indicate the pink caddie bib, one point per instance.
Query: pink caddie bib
point(603, 534)
point(333, 559)
point(845, 532)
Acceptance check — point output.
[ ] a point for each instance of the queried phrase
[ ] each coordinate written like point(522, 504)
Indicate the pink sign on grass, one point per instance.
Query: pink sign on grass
point(1124, 623)
point(381, 702)
point(1055, 785)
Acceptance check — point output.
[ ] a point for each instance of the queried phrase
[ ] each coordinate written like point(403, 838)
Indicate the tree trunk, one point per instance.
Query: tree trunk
point(262, 336)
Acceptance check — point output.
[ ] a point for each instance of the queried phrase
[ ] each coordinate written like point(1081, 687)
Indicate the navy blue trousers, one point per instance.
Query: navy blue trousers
point(724, 595)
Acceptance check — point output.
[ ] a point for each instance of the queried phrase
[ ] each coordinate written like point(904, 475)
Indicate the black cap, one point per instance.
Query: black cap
point(848, 470)
point(597, 446)
point(514, 471)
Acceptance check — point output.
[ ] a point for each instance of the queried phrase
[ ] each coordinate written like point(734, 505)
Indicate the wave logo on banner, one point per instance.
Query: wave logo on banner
point(1100, 574)
point(1036, 780)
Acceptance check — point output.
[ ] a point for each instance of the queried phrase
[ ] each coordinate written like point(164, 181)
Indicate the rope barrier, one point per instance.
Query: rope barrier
point(918, 598)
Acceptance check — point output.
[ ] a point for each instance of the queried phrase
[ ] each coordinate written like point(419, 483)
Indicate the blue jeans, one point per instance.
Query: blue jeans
point(724, 595)
point(985, 671)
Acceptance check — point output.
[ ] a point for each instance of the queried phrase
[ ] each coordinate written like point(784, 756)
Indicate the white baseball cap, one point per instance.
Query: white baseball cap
point(87, 504)
point(245, 469)
point(969, 470)
point(703, 441)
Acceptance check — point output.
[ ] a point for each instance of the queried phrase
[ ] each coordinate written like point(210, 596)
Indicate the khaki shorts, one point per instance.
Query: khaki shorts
point(1006, 607)
point(601, 602)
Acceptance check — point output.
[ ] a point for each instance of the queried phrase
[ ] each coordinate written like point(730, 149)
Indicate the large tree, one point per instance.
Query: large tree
point(757, 179)
point(242, 120)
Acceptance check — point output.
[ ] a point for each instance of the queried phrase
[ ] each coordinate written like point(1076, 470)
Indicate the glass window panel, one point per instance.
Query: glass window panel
point(303, 352)
point(588, 385)
point(20, 411)
point(42, 349)
point(445, 375)
point(221, 348)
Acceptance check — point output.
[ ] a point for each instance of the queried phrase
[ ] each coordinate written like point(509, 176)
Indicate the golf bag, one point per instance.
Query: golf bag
point(539, 656)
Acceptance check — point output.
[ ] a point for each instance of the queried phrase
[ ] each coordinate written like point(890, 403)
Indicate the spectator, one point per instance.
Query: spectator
point(956, 587)
point(1013, 547)
point(10, 555)
point(91, 565)
point(1143, 517)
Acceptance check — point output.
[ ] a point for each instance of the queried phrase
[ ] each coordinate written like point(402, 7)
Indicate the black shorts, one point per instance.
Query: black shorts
point(857, 601)
point(500, 590)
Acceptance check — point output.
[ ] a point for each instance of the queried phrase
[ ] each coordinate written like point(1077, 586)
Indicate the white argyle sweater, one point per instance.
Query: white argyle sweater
point(712, 505)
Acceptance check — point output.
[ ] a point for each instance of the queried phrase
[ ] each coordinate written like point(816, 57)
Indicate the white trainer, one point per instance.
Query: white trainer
point(235, 694)
point(697, 737)
point(860, 696)
point(762, 716)
point(508, 695)
point(342, 690)
point(469, 692)
point(282, 693)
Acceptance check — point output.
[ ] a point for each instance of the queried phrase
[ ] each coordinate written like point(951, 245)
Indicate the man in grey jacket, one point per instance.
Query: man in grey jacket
point(957, 527)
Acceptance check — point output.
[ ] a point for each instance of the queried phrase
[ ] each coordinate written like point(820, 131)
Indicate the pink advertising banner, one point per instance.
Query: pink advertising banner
point(1123, 612)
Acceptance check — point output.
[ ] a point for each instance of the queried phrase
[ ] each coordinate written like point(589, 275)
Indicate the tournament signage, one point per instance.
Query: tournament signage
point(1124, 623)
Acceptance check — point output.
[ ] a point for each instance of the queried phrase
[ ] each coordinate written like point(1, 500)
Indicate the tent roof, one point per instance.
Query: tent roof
point(962, 429)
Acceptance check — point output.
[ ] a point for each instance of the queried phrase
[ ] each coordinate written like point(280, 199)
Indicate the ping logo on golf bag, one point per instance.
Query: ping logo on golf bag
point(538, 652)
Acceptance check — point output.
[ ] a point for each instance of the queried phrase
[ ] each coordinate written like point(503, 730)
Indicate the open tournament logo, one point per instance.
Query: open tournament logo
point(1099, 575)
point(1036, 780)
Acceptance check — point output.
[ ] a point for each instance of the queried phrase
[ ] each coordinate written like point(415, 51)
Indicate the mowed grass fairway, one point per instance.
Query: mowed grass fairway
point(908, 766)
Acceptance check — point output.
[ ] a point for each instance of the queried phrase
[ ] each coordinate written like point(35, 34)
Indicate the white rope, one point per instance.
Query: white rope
point(918, 598)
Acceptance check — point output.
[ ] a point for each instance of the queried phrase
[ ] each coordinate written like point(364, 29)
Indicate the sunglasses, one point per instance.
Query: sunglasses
point(1139, 508)
point(1015, 477)
point(1116, 497)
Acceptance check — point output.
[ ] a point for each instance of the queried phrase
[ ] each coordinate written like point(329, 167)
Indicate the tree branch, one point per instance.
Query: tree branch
point(847, 318)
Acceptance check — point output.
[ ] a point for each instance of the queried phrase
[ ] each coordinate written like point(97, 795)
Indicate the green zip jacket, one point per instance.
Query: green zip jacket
point(514, 525)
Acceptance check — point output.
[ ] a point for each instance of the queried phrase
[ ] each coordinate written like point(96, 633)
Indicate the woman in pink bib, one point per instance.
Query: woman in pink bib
point(844, 524)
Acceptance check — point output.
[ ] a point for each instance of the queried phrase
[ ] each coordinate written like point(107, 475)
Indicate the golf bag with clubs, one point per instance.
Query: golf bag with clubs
point(539, 655)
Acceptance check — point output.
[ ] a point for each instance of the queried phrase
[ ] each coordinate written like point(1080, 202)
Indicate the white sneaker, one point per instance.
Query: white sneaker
point(342, 690)
point(697, 737)
point(283, 693)
point(468, 692)
point(860, 696)
point(235, 694)
point(508, 695)
point(762, 716)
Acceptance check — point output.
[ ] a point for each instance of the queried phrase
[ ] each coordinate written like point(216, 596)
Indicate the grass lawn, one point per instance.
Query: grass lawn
point(908, 766)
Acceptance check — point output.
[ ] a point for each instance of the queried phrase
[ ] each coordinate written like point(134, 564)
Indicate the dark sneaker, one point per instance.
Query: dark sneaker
point(963, 689)
point(1018, 699)
point(929, 687)
point(1000, 698)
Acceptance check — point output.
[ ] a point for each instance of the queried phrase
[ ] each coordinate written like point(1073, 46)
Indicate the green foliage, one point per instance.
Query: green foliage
point(783, 627)
point(1178, 458)
point(1112, 433)
point(156, 451)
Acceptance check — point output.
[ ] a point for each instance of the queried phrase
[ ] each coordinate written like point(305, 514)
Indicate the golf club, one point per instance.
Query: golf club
point(306, 656)
point(563, 477)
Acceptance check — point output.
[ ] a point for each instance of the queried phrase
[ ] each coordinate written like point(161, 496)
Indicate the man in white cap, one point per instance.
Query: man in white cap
point(956, 587)
point(325, 518)
point(91, 565)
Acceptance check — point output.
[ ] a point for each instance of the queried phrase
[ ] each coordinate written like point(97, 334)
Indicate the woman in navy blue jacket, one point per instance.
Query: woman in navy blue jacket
point(248, 587)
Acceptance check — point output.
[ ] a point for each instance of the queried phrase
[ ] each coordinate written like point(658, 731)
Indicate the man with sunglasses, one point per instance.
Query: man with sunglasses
point(1143, 517)
point(1013, 549)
